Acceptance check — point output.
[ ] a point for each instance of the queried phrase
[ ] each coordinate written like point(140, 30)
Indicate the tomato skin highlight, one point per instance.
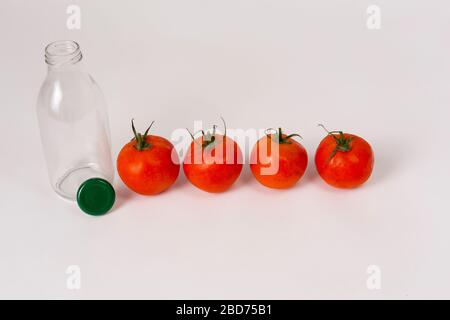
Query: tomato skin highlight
point(291, 157)
point(150, 171)
point(208, 168)
point(345, 169)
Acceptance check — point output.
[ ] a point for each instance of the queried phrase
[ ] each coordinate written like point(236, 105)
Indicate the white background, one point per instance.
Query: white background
point(259, 63)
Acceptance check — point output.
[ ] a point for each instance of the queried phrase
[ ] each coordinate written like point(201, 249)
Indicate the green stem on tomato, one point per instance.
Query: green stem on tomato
point(208, 138)
point(343, 144)
point(279, 136)
point(141, 139)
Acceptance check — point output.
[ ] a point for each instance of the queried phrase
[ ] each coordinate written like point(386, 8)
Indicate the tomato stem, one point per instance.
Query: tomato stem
point(279, 136)
point(224, 127)
point(208, 138)
point(141, 139)
point(343, 144)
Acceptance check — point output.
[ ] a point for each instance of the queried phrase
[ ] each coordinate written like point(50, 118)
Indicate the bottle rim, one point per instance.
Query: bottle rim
point(62, 52)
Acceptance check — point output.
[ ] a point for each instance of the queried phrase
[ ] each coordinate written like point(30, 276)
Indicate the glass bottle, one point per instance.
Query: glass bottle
point(74, 127)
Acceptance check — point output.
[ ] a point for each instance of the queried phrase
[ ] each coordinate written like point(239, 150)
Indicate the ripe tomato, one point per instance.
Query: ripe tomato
point(145, 164)
point(213, 162)
point(278, 161)
point(344, 160)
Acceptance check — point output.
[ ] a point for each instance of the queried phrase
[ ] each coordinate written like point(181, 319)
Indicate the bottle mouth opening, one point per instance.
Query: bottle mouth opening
point(62, 52)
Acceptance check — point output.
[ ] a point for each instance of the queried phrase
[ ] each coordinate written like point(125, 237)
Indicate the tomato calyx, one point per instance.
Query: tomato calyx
point(141, 139)
point(279, 138)
point(343, 144)
point(209, 138)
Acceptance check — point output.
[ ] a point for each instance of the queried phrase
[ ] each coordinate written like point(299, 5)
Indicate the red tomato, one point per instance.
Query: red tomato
point(344, 160)
point(278, 161)
point(145, 164)
point(213, 162)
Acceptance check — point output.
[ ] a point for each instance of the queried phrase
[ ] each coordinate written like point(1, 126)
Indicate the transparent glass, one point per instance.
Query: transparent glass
point(73, 122)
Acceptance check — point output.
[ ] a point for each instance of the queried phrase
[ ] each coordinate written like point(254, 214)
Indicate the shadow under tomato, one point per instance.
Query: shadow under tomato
point(388, 157)
point(244, 179)
point(123, 194)
point(179, 183)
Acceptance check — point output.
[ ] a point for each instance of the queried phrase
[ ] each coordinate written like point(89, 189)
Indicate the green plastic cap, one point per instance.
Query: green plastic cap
point(96, 196)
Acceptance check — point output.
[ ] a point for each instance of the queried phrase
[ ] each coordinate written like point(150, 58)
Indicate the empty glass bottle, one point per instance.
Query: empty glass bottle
point(74, 128)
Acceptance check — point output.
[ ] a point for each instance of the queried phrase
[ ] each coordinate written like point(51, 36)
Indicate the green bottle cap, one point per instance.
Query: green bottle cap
point(96, 196)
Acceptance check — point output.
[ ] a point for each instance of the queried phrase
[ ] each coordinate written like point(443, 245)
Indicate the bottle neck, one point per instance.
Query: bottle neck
point(63, 55)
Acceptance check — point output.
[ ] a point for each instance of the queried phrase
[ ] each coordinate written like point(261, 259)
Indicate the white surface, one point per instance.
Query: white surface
point(259, 64)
